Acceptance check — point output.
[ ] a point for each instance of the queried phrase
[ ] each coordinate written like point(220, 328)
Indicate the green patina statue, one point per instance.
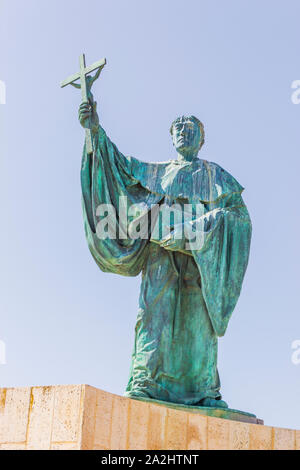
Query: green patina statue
point(188, 290)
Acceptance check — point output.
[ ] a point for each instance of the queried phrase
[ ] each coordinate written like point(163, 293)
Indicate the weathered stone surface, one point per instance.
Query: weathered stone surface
point(176, 430)
point(103, 420)
point(156, 427)
point(260, 437)
point(83, 417)
point(67, 413)
point(297, 436)
point(239, 436)
point(197, 432)
point(40, 418)
point(89, 418)
point(138, 425)
point(218, 434)
point(119, 423)
point(284, 439)
point(14, 411)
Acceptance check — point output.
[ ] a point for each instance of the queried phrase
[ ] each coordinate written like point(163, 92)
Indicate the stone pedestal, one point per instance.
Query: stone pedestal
point(83, 417)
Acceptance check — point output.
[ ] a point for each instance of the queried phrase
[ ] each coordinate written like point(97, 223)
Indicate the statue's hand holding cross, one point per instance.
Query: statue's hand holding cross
point(88, 116)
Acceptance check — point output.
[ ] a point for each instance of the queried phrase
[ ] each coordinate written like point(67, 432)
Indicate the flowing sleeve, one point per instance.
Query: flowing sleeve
point(223, 259)
point(107, 179)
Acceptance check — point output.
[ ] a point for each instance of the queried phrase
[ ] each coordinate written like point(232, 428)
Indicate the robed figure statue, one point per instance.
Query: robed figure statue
point(188, 291)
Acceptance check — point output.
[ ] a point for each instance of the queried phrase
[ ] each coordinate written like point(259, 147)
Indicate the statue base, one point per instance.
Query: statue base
point(86, 418)
point(224, 413)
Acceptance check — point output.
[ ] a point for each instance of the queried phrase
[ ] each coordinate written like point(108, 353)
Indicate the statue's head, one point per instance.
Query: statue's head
point(187, 135)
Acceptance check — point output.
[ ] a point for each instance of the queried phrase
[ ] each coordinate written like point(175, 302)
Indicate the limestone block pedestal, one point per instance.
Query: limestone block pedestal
point(83, 417)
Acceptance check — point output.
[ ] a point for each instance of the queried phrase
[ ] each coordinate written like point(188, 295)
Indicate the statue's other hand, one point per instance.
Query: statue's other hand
point(88, 116)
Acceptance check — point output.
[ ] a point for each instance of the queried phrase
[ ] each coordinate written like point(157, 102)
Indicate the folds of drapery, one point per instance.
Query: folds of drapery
point(105, 179)
point(222, 257)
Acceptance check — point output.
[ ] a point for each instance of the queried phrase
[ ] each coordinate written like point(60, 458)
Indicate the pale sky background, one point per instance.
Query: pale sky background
point(229, 63)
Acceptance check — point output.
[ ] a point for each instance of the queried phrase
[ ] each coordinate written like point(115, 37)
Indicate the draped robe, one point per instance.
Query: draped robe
point(186, 299)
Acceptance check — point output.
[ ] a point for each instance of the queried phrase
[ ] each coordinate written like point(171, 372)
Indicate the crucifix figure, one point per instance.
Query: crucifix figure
point(86, 82)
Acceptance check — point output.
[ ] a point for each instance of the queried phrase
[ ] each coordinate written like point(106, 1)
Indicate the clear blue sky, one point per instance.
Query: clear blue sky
point(229, 63)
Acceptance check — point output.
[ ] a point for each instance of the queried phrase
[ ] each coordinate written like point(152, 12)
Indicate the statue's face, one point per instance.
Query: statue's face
point(186, 136)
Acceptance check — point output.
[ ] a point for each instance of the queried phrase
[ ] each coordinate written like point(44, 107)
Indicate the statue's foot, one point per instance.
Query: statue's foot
point(212, 403)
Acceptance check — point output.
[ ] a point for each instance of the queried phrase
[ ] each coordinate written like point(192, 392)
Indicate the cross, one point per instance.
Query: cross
point(85, 88)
